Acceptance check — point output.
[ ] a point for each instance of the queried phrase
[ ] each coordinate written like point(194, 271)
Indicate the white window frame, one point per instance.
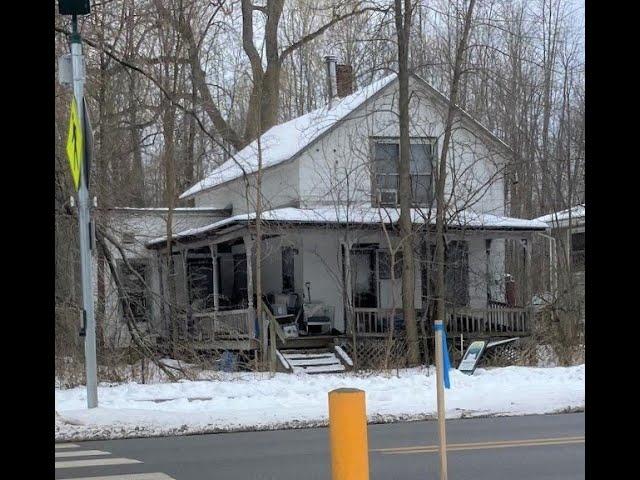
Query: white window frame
point(376, 191)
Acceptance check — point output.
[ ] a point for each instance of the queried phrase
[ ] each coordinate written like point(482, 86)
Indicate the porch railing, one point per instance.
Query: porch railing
point(221, 325)
point(492, 321)
point(374, 321)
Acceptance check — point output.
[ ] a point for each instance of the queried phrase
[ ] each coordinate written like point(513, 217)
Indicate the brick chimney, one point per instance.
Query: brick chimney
point(344, 80)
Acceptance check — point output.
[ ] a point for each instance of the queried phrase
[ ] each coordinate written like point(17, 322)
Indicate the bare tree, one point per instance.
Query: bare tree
point(440, 198)
point(403, 12)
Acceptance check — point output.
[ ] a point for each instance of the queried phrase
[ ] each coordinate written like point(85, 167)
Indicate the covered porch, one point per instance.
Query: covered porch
point(480, 295)
point(323, 278)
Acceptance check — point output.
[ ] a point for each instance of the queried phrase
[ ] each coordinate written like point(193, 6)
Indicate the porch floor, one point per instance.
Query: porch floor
point(310, 341)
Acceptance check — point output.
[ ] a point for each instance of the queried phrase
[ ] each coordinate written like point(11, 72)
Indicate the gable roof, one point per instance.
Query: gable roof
point(284, 141)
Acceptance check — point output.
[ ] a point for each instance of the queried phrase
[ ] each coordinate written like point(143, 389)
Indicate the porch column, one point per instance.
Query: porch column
point(214, 263)
point(248, 247)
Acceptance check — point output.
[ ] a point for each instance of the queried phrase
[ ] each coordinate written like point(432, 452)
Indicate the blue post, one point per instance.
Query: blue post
point(446, 363)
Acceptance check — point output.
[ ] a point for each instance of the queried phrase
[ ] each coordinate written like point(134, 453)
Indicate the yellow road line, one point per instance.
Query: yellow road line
point(483, 445)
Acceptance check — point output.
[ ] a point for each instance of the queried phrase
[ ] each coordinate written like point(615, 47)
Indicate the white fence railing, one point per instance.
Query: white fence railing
point(493, 320)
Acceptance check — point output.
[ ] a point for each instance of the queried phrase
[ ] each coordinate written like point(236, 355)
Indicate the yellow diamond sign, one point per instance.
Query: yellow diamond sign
point(75, 144)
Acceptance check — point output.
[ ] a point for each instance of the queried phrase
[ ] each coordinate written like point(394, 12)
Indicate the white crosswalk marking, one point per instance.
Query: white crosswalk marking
point(66, 445)
point(95, 462)
point(81, 453)
point(99, 462)
point(132, 476)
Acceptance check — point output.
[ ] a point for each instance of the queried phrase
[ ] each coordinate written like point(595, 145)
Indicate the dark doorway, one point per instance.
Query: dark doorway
point(239, 296)
point(288, 279)
point(363, 277)
point(200, 274)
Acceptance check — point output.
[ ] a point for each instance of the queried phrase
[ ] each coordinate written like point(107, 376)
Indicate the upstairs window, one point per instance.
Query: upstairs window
point(386, 182)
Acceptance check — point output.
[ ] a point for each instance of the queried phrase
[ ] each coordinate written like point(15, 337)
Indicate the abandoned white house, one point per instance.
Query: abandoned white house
point(329, 211)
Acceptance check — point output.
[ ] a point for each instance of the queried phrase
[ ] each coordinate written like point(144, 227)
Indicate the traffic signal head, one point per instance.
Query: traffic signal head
point(74, 7)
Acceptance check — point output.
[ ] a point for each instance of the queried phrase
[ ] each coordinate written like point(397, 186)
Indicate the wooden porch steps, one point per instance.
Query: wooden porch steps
point(317, 360)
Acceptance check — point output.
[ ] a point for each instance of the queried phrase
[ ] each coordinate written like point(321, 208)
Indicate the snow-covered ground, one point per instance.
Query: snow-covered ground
point(257, 401)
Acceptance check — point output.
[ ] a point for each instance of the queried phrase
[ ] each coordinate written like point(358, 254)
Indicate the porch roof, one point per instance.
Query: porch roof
point(359, 215)
point(561, 219)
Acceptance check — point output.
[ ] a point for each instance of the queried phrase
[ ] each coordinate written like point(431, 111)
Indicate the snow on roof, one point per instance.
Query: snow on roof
point(165, 209)
point(364, 215)
point(575, 213)
point(283, 141)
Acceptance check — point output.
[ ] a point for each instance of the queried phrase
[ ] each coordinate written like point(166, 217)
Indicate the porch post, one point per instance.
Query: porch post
point(248, 247)
point(214, 263)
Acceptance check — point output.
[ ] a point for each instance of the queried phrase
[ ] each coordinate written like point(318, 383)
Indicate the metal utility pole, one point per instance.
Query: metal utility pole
point(440, 373)
point(78, 154)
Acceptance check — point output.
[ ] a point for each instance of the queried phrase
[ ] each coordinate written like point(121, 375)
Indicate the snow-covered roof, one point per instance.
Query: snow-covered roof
point(556, 219)
point(363, 215)
point(283, 141)
point(165, 209)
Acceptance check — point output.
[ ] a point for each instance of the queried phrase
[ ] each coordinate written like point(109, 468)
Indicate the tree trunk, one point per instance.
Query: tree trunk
point(168, 125)
point(441, 206)
point(403, 28)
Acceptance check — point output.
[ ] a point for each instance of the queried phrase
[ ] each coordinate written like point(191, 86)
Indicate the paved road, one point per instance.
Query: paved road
point(523, 448)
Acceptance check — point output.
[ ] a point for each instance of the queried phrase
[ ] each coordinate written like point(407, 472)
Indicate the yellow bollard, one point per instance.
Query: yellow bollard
point(348, 434)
